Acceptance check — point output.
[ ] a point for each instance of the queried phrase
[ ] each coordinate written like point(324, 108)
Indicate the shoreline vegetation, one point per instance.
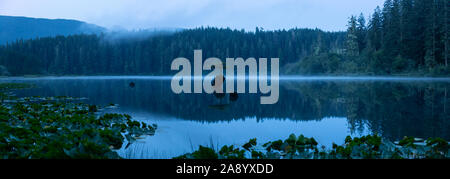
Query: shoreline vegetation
point(301, 147)
point(61, 127)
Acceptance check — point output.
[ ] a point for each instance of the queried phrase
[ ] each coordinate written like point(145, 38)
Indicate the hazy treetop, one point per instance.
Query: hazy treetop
point(328, 15)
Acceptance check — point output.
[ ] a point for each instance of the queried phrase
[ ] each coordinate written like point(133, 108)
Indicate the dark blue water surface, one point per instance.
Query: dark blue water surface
point(326, 108)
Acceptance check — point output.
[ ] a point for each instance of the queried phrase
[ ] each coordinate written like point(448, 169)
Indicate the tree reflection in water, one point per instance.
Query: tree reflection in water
point(391, 109)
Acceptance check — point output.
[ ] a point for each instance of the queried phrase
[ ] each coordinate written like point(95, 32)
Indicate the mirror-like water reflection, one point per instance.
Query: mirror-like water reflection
point(328, 109)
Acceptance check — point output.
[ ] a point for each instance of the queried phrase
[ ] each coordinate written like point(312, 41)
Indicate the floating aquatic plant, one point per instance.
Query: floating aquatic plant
point(40, 128)
point(301, 147)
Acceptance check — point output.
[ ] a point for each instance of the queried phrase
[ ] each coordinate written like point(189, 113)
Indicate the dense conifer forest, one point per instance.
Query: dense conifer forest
point(92, 54)
point(403, 37)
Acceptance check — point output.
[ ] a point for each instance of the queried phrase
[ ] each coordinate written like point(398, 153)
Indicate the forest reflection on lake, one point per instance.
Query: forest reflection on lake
point(325, 108)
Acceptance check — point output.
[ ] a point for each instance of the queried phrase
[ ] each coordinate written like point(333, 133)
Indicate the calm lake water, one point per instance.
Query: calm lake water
point(326, 108)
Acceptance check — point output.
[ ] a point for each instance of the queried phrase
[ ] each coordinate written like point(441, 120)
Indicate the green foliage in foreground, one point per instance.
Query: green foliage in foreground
point(64, 130)
point(301, 147)
point(57, 128)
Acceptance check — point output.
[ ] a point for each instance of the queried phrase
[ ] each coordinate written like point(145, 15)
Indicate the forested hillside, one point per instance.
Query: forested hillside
point(92, 55)
point(13, 28)
point(404, 37)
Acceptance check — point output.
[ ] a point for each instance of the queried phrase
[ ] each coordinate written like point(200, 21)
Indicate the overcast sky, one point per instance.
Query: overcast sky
point(330, 15)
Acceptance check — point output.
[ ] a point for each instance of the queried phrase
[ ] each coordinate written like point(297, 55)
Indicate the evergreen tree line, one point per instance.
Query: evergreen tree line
point(403, 37)
point(99, 54)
